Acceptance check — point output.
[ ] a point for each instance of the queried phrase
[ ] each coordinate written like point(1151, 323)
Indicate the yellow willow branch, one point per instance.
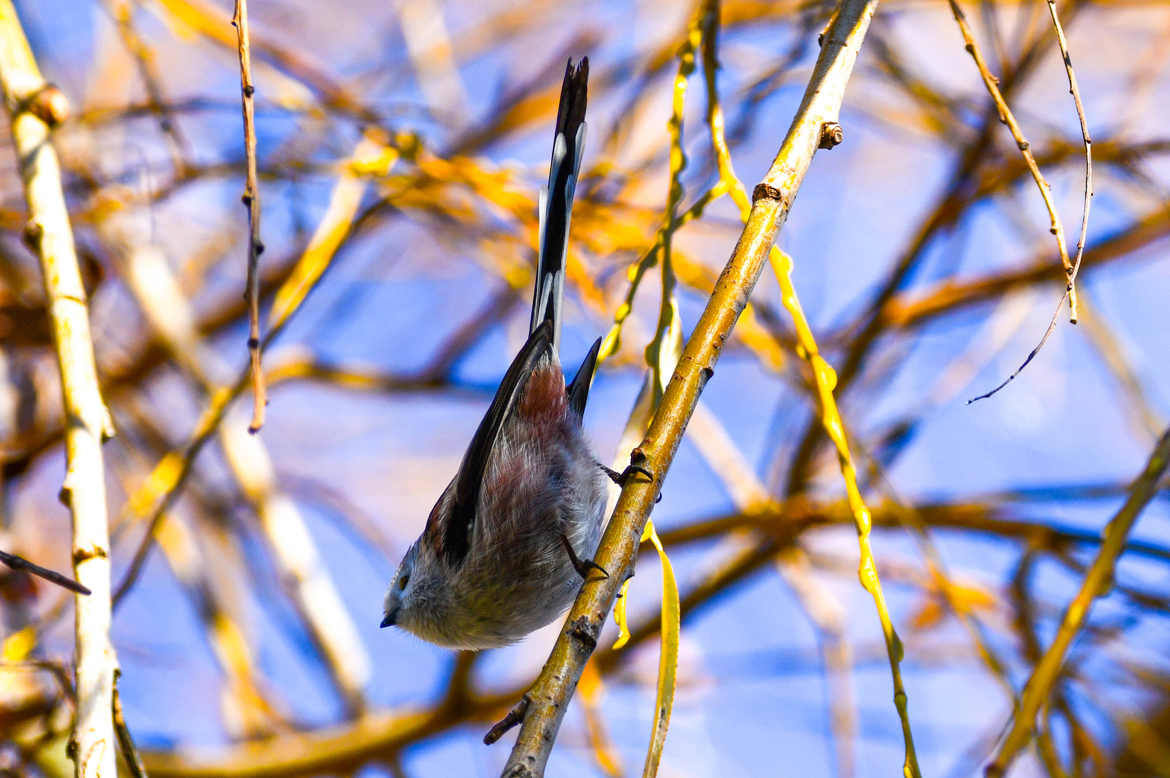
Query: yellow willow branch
point(773, 197)
point(825, 380)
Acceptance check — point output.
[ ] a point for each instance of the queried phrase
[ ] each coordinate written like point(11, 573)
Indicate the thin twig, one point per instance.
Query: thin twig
point(251, 200)
point(1031, 354)
point(821, 104)
point(20, 563)
point(514, 716)
point(1075, 91)
point(1008, 118)
point(1071, 268)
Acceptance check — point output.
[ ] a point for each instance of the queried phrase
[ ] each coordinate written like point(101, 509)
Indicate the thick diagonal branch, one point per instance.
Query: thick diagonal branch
point(771, 202)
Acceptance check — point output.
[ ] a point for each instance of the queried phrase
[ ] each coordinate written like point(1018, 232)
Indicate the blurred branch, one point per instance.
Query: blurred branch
point(300, 570)
point(246, 703)
point(1144, 417)
point(377, 734)
point(211, 23)
point(912, 308)
point(161, 487)
point(33, 106)
point(589, 694)
point(326, 749)
point(122, 12)
point(125, 740)
point(973, 517)
point(1096, 582)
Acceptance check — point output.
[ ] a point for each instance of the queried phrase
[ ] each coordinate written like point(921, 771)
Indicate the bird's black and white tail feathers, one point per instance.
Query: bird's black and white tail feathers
point(556, 202)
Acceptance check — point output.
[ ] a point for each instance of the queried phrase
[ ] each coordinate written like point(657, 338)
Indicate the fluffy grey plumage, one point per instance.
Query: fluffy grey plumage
point(491, 564)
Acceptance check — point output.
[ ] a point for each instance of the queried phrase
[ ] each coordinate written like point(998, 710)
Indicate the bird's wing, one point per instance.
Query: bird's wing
point(457, 523)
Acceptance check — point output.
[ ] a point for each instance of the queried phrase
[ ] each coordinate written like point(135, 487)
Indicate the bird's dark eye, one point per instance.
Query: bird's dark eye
point(402, 582)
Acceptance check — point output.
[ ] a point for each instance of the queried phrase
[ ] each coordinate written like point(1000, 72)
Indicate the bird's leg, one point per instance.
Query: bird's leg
point(582, 566)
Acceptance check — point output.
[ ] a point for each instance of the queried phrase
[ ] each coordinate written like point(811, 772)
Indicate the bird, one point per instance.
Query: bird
point(507, 545)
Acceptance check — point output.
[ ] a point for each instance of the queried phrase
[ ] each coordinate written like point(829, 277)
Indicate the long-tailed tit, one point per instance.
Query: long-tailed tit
point(502, 552)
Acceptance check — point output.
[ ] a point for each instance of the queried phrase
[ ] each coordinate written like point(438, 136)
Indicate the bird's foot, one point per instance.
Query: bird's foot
point(582, 566)
point(632, 469)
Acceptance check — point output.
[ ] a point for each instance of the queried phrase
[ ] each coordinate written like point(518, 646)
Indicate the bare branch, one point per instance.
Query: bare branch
point(772, 200)
point(1071, 268)
point(1097, 580)
point(251, 201)
point(50, 235)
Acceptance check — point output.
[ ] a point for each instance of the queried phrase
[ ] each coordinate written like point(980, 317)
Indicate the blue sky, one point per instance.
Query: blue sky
point(753, 698)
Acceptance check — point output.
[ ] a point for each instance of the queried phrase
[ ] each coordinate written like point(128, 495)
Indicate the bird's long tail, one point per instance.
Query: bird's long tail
point(556, 202)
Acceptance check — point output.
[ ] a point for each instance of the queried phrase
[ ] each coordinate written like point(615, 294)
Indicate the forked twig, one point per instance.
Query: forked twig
point(1071, 267)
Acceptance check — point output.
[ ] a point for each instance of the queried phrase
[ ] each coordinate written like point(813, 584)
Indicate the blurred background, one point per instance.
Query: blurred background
point(402, 146)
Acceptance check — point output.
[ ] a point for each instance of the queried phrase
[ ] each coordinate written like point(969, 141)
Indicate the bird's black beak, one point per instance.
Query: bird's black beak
point(390, 619)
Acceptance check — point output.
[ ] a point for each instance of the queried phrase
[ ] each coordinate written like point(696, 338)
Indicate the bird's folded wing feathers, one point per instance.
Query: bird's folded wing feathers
point(458, 522)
